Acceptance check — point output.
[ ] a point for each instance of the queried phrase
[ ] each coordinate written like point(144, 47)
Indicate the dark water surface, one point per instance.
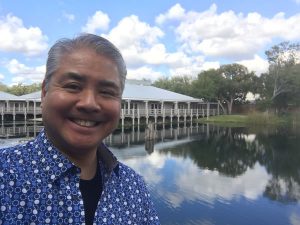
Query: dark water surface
point(210, 175)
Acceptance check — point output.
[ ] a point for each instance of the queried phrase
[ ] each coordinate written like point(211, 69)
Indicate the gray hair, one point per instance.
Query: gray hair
point(99, 44)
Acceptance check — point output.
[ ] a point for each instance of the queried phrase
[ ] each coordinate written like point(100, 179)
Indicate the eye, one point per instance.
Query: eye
point(108, 93)
point(73, 87)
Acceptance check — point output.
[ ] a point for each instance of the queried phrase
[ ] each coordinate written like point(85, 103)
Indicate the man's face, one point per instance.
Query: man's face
point(82, 103)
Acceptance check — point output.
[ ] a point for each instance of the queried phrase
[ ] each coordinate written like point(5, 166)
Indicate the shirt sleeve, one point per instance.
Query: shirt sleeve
point(150, 214)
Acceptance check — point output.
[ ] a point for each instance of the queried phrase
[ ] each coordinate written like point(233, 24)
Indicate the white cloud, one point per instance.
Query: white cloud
point(140, 45)
point(131, 32)
point(194, 67)
point(70, 17)
point(2, 76)
point(23, 73)
point(144, 72)
point(138, 42)
point(210, 185)
point(192, 183)
point(297, 1)
point(17, 38)
point(257, 64)
point(295, 218)
point(231, 35)
point(17, 80)
point(99, 21)
point(176, 12)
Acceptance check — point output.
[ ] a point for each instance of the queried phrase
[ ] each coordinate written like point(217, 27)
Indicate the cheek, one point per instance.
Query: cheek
point(113, 111)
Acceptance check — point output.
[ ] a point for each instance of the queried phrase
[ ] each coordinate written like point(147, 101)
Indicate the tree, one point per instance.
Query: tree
point(207, 85)
point(179, 84)
point(237, 83)
point(3, 87)
point(21, 89)
point(229, 84)
point(281, 82)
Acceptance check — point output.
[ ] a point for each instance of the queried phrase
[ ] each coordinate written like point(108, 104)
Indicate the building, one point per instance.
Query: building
point(140, 103)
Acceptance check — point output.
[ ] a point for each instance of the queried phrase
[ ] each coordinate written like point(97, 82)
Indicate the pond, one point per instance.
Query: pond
point(209, 175)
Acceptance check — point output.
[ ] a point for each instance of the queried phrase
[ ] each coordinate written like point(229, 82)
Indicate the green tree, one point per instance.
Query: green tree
point(22, 89)
point(207, 85)
point(281, 83)
point(229, 85)
point(3, 87)
point(179, 84)
point(237, 83)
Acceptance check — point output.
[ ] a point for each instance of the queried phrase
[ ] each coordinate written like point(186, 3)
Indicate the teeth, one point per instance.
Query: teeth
point(85, 123)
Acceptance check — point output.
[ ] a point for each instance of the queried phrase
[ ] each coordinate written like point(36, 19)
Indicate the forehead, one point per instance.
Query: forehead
point(87, 62)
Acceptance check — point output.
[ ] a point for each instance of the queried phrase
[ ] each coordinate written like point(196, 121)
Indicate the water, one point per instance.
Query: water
point(215, 175)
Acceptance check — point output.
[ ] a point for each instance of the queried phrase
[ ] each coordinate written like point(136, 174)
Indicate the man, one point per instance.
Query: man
point(67, 175)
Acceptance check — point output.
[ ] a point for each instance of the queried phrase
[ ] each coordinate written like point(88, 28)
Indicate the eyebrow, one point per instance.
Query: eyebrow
point(73, 76)
point(109, 83)
point(81, 78)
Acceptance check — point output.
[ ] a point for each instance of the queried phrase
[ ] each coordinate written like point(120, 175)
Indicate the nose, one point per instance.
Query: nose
point(88, 102)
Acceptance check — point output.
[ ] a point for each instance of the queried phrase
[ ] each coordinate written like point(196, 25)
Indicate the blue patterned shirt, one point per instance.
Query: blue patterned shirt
point(39, 185)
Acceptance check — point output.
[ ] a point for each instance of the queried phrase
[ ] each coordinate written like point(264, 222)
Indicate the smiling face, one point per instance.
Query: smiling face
point(81, 105)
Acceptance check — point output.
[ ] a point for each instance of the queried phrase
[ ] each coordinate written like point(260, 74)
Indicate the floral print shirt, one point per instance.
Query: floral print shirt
point(39, 185)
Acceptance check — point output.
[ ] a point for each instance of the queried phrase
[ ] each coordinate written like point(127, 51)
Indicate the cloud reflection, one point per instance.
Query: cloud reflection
point(295, 219)
point(187, 182)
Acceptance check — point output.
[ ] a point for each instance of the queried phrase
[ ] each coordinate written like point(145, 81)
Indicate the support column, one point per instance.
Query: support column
point(14, 112)
point(122, 118)
point(218, 108)
point(34, 110)
point(207, 110)
point(2, 115)
point(133, 118)
point(176, 105)
point(25, 114)
point(7, 105)
point(147, 113)
point(184, 119)
point(138, 116)
point(128, 107)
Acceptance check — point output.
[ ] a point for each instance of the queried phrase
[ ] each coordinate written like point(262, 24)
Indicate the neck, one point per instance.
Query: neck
point(87, 163)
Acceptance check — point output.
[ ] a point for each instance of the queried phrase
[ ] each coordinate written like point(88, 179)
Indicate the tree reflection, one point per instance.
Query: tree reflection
point(226, 151)
point(281, 159)
point(231, 153)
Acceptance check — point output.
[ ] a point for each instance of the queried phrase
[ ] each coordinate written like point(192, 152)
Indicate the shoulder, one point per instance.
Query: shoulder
point(131, 181)
point(127, 173)
point(15, 158)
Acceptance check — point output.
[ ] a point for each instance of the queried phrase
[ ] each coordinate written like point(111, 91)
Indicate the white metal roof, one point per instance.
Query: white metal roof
point(32, 96)
point(133, 92)
point(142, 92)
point(4, 96)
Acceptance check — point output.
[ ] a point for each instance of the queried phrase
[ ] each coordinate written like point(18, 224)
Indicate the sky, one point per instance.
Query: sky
point(157, 38)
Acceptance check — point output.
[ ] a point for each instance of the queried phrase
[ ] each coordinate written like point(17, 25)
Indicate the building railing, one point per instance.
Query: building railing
point(30, 110)
point(136, 113)
point(19, 130)
point(125, 113)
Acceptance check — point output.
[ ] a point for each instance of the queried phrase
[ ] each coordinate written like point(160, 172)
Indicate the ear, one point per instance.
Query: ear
point(43, 92)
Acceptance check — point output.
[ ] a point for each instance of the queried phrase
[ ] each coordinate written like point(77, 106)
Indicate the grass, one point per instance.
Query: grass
point(255, 118)
point(225, 119)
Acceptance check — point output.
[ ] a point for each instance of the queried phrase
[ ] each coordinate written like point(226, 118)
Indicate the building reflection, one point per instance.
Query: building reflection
point(20, 129)
point(226, 154)
point(121, 138)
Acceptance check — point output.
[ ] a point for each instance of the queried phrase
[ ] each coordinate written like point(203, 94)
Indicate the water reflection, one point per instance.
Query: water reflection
point(208, 174)
point(225, 169)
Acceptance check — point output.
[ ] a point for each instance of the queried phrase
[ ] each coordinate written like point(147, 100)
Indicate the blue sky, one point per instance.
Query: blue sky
point(157, 38)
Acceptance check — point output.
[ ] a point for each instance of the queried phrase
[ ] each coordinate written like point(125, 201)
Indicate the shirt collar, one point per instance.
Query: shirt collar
point(108, 159)
point(55, 165)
